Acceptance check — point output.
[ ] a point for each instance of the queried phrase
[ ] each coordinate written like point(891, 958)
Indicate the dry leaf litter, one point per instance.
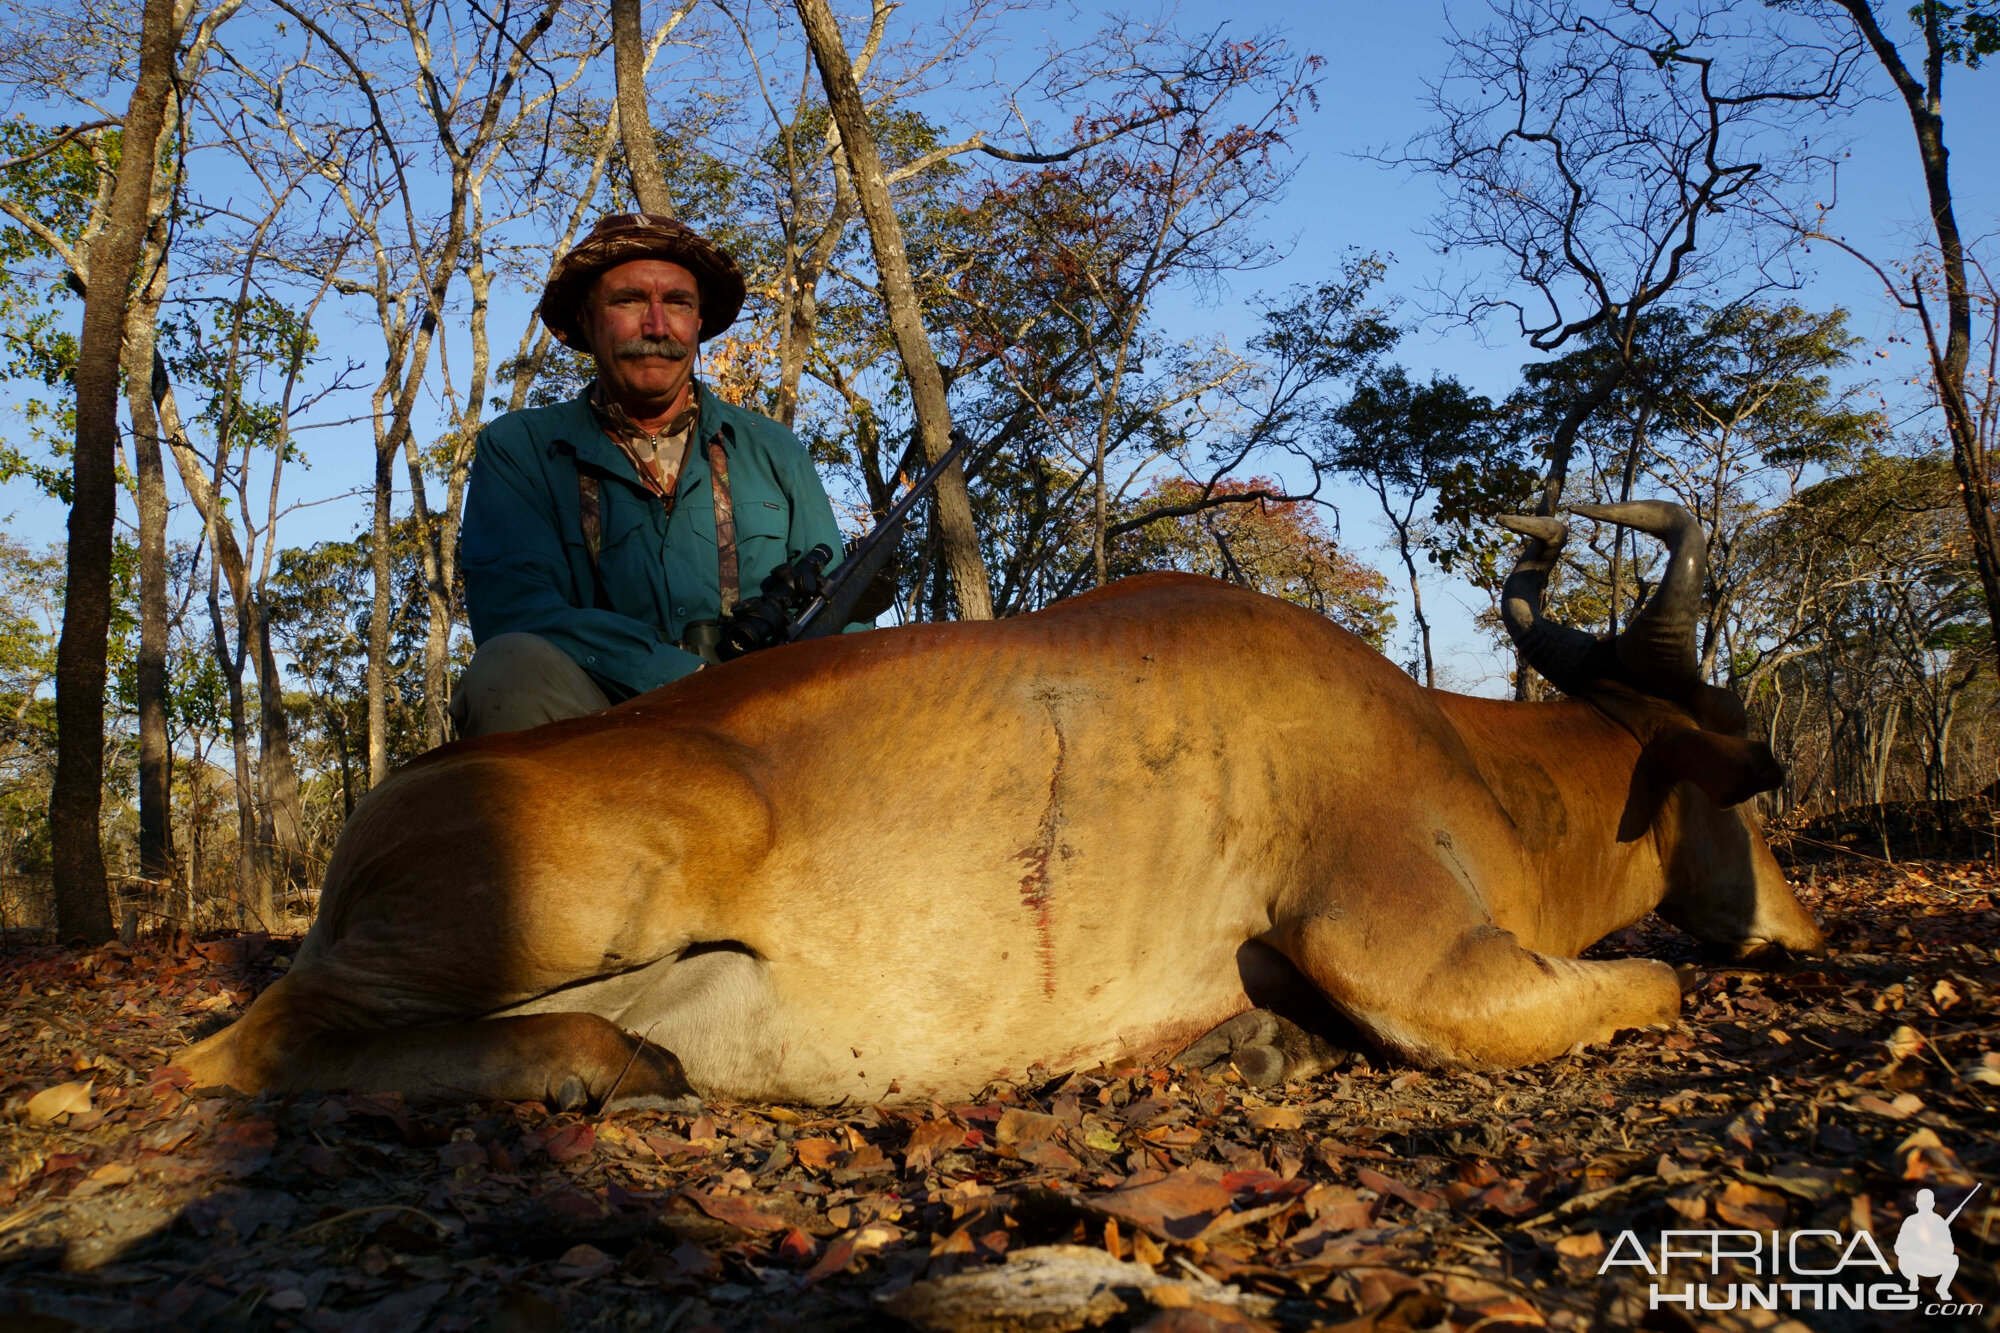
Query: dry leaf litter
point(1376, 1197)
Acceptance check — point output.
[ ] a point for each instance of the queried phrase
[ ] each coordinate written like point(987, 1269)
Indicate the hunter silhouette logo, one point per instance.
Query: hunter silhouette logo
point(1923, 1246)
point(1808, 1269)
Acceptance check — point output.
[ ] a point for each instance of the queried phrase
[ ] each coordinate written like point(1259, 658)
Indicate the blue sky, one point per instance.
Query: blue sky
point(1377, 56)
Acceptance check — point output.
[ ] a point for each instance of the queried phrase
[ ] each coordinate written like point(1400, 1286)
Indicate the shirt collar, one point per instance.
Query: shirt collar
point(616, 423)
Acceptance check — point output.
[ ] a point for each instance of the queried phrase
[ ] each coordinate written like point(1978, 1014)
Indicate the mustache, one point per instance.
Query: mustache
point(669, 347)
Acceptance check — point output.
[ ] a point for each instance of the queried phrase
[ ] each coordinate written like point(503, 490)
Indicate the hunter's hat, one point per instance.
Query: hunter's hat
point(622, 237)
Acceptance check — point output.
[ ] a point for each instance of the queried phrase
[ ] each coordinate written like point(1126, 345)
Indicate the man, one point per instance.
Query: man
point(597, 530)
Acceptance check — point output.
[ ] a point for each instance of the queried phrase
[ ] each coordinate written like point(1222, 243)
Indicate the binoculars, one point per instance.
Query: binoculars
point(764, 620)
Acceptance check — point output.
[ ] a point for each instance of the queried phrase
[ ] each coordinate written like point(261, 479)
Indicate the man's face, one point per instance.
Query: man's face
point(642, 323)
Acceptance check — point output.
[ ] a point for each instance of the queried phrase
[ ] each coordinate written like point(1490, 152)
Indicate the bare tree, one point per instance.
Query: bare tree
point(411, 259)
point(1947, 33)
point(1611, 160)
point(1612, 154)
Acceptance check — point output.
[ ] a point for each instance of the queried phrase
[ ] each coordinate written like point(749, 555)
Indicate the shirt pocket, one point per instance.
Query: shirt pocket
point(763, 518)
point(762, 533)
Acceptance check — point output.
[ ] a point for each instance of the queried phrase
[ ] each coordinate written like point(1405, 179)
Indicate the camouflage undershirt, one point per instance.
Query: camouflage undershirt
point(657, 456)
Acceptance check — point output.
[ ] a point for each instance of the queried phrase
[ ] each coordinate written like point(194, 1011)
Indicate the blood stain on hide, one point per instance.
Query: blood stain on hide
point(1035, 884)
point(1458, 867)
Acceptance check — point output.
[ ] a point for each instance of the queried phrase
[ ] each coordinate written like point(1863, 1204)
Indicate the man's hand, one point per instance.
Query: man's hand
point(878, 596)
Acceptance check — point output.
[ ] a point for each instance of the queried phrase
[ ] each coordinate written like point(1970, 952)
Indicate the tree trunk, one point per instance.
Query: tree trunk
point(892, 264)
point(383, 569)
point(635, 125)
point(156, 853)
point(253, 889)
point(191, 876)
point(798, 289)
point(1886, 742)
point(1417, 606)
point(83, 904)
point(1100, 509)
point(342, 748)
point(1562, 445)
point(437, 652)
point(277, 767)
point(146, 388)
point(799, 320)
point(282, 832)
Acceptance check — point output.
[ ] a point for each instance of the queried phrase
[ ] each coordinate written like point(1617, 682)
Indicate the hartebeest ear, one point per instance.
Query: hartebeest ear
point(1728, 769)
point(1717, 709)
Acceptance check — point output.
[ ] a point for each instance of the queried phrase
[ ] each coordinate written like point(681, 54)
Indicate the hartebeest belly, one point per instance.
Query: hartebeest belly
point(910, 862)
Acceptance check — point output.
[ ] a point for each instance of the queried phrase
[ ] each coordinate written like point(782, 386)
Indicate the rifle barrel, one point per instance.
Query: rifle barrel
point(870, 553)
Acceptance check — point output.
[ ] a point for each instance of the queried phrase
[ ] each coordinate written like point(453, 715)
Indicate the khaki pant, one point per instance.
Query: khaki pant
point(517, 681)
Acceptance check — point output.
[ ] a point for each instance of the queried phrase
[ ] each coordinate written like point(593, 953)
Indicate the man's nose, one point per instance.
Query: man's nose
point(655, 321)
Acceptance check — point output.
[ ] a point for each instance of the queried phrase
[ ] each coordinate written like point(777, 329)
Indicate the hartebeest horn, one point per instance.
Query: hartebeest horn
point(1568, 657)
point(1657, 649)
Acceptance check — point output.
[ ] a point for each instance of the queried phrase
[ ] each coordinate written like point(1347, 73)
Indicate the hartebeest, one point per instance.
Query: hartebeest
point(910, 862)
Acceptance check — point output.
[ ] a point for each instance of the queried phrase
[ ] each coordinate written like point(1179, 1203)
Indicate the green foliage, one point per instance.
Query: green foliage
point(1728, 411)
point(1760, 373)
point(122, 648)
point(1765, 371)
point(38, 306)
point(1967, 33)
point(321, 598)
point(1410, 442)
point(231, 351)
point(1894, 625)
point(1327, 331)
point(31, 587)
point(1400, 435)
point(562, 376)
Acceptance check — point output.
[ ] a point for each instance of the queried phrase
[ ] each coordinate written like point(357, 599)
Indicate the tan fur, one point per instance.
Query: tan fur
point(927, 858)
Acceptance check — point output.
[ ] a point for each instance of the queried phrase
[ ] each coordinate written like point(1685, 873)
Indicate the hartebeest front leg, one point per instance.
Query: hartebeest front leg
point(1430, 979)
point(566, 1060)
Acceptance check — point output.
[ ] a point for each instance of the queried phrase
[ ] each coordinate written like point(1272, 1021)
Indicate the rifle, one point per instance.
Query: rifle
point(800, 601)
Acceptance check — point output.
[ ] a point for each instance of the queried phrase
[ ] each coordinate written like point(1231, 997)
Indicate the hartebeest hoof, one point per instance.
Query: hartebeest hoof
point(653, 1081)
point(1263, 1048)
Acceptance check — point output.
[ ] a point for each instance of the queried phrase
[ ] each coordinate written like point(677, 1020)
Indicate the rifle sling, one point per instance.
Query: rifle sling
point(590, 507)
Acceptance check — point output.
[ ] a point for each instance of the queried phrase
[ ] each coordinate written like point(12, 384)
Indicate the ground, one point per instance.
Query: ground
point(1819, 1096)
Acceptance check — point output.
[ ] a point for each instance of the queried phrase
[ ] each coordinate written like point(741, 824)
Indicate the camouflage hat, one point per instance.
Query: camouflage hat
point(622, 237)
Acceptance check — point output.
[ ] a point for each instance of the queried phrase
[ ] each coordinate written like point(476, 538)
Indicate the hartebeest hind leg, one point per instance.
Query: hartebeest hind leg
point(567, 1060)
point(1431, 979)
point(1264, 1049)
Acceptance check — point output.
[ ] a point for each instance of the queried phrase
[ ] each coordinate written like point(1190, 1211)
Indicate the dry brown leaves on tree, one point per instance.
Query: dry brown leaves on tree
point(1376, 1197)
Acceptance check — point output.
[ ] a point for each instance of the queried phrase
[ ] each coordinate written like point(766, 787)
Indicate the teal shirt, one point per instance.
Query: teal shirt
point(527, 568)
